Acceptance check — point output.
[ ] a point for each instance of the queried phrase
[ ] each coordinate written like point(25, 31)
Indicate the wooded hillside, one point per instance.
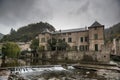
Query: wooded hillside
point(28, 32)
point(112, 32)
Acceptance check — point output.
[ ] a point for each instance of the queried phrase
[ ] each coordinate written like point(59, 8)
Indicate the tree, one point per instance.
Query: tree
point(40, 49)
point(62, 45)
point(34, 45)
point(55, 44)
point(52, 44)
point(27, 33)
point(12, 31)
point(11, 50)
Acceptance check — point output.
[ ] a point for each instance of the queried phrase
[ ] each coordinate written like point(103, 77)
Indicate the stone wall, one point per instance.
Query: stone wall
point(61, 55)
point(99, 31)
point(82, 39)
point(116, 47)
point(100, 56)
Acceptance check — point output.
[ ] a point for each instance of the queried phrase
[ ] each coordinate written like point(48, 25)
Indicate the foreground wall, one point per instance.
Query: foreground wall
point(99, 56)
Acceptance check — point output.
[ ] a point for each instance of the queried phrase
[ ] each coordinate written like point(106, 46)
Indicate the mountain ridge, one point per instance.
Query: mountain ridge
point(1, 35)
point(112, 32)
point(27, 33)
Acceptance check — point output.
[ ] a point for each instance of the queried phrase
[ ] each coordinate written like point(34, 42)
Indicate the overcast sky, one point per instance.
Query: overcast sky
point(62, 14)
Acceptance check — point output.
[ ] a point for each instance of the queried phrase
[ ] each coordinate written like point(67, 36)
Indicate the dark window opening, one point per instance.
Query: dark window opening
point(81, 48)
point(86, 39)
point(69, 33)
point(69, 39)
point(64, 33)
point(104, 56)
point(64, 39)
point(95, 36)
point(81, 39)
point(86, 47)
point(96, 47)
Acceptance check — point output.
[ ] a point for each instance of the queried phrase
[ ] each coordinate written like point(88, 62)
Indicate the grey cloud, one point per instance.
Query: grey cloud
point(84, 7)
point(60, 13)
point(105, 11)
point(15, 12)
point(14, 9)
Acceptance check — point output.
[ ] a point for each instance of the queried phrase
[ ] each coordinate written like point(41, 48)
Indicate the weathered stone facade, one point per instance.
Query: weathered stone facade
point(96, 37)
point(82, 39)
point(24, 46)
point(116, 47)
point(88, 56)
point(89, 44)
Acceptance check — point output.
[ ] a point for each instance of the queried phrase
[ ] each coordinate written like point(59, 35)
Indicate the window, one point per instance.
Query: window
point(42, 47)
point(104, 56)
point(42, 39)
point(95, 28)
point(64, 33)
point(86, 47)
point(96, 47)
point(95, 36)
point(81, 48)
point(69, 39)
point(81, 39)
point(86, 39)
point(69, 33)
point(64, 39)
point(54, 34)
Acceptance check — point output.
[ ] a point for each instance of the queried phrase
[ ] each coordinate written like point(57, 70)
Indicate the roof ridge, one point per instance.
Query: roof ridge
point(96, 23)
point(72, 29)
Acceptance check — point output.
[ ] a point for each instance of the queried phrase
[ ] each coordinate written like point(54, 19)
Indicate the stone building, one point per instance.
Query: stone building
point(80, 39)
point(116, 47)
point(24, 46)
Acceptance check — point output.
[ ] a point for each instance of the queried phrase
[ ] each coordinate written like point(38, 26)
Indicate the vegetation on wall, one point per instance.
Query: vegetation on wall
point(54, 44)
point(34, 45)
point(40, 48)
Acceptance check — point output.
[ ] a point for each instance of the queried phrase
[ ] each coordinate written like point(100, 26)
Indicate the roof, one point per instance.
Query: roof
point(46, 31)
point(70, 30)
point(95, 24)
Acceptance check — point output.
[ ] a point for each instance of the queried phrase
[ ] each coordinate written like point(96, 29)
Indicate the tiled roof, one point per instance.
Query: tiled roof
point(70, 30)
